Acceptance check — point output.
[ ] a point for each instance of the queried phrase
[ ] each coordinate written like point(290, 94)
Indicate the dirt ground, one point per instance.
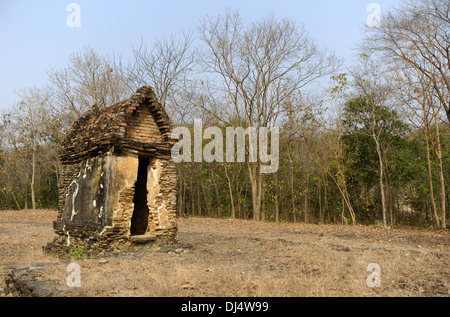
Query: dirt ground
point(228, 258)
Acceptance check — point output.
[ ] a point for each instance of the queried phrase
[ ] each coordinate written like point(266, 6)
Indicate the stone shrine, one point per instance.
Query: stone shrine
point(118, 185)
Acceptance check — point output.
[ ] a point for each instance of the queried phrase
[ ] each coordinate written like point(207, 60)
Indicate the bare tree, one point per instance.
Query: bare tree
point(257, 67)
point(88, 80)
point(26, 128)
point(165, 66)
point(370, 82)
point(416, 37)
point(300, 129)
point(413, 90)
point(331, 160)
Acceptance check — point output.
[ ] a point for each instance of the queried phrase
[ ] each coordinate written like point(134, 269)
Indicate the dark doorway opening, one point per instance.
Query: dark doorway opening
point(139, 220)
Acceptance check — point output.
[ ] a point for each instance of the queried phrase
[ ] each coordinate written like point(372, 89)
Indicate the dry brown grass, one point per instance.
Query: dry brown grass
point(22, 235)
point(244, 258)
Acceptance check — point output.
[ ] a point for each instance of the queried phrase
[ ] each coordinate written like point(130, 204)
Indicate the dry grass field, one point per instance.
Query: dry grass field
point(228, 258)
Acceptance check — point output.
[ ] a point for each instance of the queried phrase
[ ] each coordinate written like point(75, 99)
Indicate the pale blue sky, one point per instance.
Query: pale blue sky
point(34, 36)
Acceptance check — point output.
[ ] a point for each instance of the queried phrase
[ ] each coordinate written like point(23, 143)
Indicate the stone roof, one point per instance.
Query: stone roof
point(138, 125)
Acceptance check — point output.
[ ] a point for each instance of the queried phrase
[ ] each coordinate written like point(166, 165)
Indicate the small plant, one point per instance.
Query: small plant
point(78, 253)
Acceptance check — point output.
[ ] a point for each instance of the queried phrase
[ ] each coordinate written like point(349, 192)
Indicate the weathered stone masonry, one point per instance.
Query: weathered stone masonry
point(118, 186)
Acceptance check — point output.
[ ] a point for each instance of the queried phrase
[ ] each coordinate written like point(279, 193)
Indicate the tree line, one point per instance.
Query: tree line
point(370, 146)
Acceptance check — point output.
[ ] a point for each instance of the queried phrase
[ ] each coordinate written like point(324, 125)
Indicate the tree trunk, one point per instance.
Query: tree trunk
point(441, 175)
point(320, 202)
point(180, 196)
point(33, 172)
point(383, 198)
point(15, 200)
point(199, 200)
point(430, 180)
point(255, 180)
point(26, 201)
point(191, 190)
point(277, 211)
point(292, 190)
point(233, 212)
point(208, 202)
point(388, 191)
point(216, 190)
point(263, 203)
point(306, 205)
point(183, 204)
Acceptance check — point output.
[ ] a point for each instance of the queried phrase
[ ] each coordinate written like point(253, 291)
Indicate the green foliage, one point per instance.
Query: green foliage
point(78, 253)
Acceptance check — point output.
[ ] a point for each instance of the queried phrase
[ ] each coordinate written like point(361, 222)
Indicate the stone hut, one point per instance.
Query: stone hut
point(118, 186)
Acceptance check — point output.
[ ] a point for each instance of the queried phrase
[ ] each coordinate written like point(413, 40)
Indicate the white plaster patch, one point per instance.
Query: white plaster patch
point(68, 235)
point(94, 203)
point(104, 229)
point(87, 167)
point(74, 195)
